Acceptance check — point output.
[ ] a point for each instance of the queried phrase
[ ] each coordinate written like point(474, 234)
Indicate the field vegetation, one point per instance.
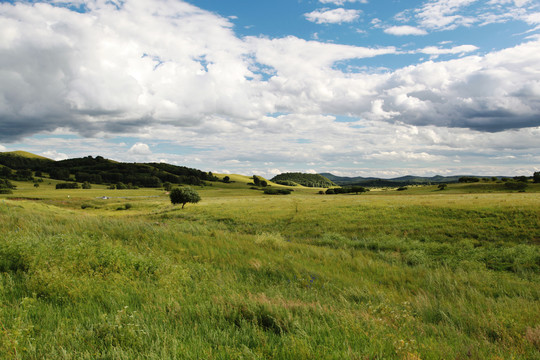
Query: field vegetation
point(423, 273)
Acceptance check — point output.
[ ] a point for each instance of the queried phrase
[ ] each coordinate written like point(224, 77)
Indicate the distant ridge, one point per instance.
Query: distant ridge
point(399, 181)
point(25, 154)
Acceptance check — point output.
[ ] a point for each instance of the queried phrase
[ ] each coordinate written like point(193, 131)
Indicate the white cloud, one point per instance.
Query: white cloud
point(461, 49)
point(334, 16)
point(405, 30)
point(443, 14)
point(2, 148)
point(141, 72)
point(53, 154)
point(140, 149)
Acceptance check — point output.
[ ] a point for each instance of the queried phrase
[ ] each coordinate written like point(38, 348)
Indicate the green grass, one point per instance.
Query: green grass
point(418, 274)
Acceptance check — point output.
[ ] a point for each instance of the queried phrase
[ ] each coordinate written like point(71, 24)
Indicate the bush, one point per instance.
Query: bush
point(402, 188)
point(67, 186)
point(6, 191)
point(277, 191)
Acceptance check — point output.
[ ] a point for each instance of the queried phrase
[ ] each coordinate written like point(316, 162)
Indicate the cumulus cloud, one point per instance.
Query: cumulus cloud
point(2, 148)
point(140, 149)
point(334, 16)
point(116, 68)
point(55, 155)
point(166, 67)
point(405, 30)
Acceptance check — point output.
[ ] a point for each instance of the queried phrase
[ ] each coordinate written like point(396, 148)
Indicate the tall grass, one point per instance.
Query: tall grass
point(255, 277)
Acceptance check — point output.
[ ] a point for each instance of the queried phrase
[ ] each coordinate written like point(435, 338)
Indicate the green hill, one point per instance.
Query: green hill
point(309, 180)
point(26, 154)
point(99, 170)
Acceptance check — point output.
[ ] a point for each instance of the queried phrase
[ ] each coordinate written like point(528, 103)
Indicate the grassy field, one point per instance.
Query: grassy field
point(417, 274)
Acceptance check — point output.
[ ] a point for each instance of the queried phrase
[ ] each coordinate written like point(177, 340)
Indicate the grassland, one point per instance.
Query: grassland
point(419, 274)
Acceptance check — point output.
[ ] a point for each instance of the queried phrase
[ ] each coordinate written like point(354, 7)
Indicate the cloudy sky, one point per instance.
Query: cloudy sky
point(353, 87)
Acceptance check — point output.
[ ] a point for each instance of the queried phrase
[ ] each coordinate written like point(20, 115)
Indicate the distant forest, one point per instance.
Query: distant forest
point(309, 180)
point(98, 170)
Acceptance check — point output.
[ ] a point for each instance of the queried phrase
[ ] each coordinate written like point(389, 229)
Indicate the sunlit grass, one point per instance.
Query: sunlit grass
point(432, 275)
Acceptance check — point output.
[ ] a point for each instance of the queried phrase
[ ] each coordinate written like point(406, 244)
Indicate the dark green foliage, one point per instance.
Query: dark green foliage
point(6, 184)
point(263, 183)
point(348, 190)
point(226, 179)
point(286, 183)
point(121, 186)
point(521, 178)
point(5, 172)
point(6, 191)
point(511, 185)
point(67, 186)
point(86, 185)
point(183, 196)
point(256, 180)
point(309, 180)
point(18, 162)
point(536, 177)
point(24, 175)
point(277, 191)
point(402, 188)
point(99, 170)
point(167, 186)
point(442, 186)
point(59, 174)
point(468, 179)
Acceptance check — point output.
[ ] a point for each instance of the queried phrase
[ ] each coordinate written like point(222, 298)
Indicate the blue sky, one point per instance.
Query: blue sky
point(353, 87)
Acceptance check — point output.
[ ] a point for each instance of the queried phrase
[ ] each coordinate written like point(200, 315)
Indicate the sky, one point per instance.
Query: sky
point(353, 87)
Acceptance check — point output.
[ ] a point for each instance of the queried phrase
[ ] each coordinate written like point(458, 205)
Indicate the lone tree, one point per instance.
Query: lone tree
point(183, 196)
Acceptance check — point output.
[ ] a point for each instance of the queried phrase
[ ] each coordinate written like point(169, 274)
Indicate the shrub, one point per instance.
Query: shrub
point(128, 206)
point(6, 191)
point(402, 188)
point(67, 186)
point(277, 191)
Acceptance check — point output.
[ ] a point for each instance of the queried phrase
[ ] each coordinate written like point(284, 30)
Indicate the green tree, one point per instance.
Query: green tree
point(226, 179)
point(358, 189)
point(183, 196)
point(86, 185)
point(442, 186)
point(536, 177)
point(167, 186)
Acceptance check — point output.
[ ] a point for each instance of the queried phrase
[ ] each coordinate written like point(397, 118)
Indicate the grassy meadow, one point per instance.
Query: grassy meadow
point(416, 274)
